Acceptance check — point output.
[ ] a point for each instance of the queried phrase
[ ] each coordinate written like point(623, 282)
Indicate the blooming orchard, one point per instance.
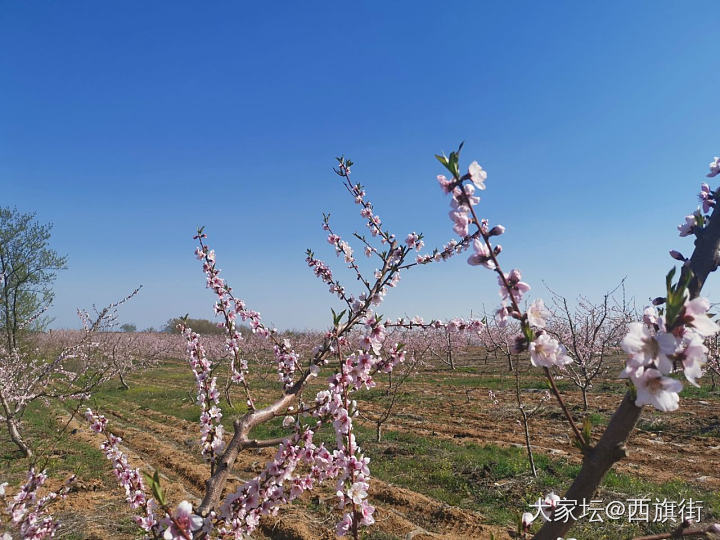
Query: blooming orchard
point(360, 343)
point(667, 337)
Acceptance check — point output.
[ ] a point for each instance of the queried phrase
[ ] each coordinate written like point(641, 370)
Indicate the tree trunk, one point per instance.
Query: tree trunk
point(598, 461)
point(122, 381)
point(584, 395)
point(611, 446)
point(378, 431)
point(531, 459)
point(17, 438)
point(450, 354)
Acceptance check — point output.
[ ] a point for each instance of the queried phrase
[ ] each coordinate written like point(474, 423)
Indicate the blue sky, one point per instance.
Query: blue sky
point(128, 125)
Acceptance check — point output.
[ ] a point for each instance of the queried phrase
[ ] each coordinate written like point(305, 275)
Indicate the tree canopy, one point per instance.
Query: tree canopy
point(28, 267)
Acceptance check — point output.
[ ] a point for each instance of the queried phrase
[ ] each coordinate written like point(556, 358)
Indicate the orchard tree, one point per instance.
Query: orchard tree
point(72, 372)
point(590, 331)
point(499, 339)
point(346, 364)
point(415, 338)
point(713, 360)
point(28, 268)
point(667, 343)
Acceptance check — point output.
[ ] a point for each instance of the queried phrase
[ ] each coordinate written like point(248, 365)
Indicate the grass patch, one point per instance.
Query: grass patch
point(61, 455)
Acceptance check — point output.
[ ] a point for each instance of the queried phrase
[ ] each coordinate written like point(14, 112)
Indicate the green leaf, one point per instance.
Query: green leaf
point(668, 280)
point(528, 333)
point(676, 295)
point(587, 430)
point(156, 489)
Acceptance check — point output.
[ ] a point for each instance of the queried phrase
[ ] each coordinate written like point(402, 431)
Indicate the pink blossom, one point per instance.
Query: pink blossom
point(545, 351)
point(687, 227)
point(514, 286)
point(358, 492)
point(657, 390)
point(445, 184)
point(714, 167)
point(477, 175)
point(693, 355)
point(707, 198)
point(650, 316)
point(501, 315)
point(468, 190)
point(694, 314)
point(366, 511)
point(645, 348)
point(343, 526)
point(482, 255)
point(538, 314)
point(184, 523)
point(548, 505)
point(413, 241)
point(461, 220)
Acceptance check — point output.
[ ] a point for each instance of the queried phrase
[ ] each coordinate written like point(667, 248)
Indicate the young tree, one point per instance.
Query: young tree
point(500, 340)
point(132, 352)
point(590, 332)
point(28, 268)
point(299, 463)
point(713, 359)
point(72, 372)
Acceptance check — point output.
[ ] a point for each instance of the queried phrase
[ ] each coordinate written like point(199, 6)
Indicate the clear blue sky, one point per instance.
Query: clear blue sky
point(128, 124)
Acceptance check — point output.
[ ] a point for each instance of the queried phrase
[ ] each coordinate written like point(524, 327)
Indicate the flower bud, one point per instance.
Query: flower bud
point(660, 300)
point(518, 345)
point(677, 255)
point(497, 249)
point(497, 230)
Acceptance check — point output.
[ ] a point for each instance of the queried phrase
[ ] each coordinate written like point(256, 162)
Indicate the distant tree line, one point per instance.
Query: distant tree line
point(201, 326)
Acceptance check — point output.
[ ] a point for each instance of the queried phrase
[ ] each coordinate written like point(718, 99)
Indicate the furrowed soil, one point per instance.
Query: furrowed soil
point(451, 464)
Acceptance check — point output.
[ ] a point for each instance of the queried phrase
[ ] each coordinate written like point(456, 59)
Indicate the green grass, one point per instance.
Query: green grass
point(598, 419)
point(62, 455)
point(704, 392)
point(497, 481)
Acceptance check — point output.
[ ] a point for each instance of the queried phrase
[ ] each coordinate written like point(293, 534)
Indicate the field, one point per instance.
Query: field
point(451, 463)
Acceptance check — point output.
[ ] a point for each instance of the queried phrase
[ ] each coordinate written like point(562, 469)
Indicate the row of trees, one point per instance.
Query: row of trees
point(204, 327)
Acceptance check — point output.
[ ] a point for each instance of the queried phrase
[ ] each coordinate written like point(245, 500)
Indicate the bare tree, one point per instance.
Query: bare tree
point(590, 332)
